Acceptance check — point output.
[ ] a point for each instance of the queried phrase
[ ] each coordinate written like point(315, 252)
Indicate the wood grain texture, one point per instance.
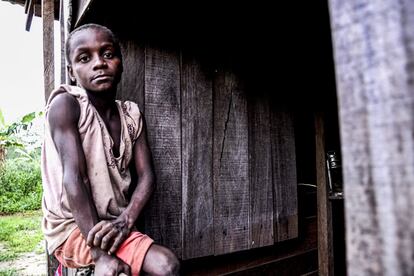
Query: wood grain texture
point(63, 34)
point(132, 83)
point(374, 57)
point(197, 159)
point(284, 175)
point(260, 172)
point(48, 46)
point(162, 110)
point(324, 209)
point(230, 165)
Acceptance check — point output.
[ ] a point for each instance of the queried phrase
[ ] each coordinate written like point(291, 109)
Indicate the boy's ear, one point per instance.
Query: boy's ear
point(70, 71)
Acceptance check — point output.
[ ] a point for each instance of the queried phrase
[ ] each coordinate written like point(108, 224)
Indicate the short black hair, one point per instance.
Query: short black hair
point(92, 26)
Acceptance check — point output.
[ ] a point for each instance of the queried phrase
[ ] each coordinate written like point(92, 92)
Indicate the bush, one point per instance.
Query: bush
point(20, 185)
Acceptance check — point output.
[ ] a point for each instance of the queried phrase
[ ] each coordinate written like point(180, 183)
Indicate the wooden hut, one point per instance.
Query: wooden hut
point(241, 108)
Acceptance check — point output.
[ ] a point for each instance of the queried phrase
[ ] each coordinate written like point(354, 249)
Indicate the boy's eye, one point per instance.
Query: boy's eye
point(83, 58)
point(108, 54)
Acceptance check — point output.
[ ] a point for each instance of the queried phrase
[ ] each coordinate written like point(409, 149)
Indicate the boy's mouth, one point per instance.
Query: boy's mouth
point(102, 77)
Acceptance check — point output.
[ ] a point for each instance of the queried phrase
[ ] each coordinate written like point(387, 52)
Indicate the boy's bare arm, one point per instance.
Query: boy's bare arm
point(63, 119)
point(146, 178)
point(110, 235)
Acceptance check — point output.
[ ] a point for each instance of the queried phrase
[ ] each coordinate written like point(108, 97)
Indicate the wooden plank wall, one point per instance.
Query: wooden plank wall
point(224, 158)
point(213, 134)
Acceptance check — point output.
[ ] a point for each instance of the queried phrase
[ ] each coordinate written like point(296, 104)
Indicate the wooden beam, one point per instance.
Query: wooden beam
point(374, 57)
point(83, 7)
point(63, 32)
point(29, 9)
point(48, 46)
point(325, 234)
point(26, 6)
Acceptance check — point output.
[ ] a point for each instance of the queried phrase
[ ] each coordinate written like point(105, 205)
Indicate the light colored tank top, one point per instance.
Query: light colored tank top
point(109, 176)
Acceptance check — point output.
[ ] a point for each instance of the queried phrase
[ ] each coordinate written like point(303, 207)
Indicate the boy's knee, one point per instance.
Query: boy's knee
point(169, 264)
point(161, 261)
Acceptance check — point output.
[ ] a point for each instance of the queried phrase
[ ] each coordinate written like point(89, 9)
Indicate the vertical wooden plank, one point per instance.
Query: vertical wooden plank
point(81, 8)
point(163, 111)
point(260, 172)
point(131, 86)
point(63, 17)
point(325, 234)
point(284, 175)
point(374, 57)
point(197, 137)
point(230, 165)
point(48, 46)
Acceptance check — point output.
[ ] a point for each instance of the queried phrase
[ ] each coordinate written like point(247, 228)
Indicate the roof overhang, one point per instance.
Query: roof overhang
point(34, 8)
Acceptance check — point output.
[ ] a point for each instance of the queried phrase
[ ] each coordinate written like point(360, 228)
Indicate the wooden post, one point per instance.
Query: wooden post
point(325, 239)
point(63, 33)
point(48, 47)
point(49, 71)
point(374, 58)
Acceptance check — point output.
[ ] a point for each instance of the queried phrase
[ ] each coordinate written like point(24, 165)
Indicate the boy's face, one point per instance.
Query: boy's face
point(94, 61)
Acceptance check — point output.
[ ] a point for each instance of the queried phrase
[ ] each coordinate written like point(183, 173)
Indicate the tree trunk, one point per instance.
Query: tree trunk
point(2, 155)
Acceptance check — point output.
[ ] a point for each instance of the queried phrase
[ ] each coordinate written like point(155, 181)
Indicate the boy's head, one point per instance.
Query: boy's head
point(94, 58)
point(113, 37)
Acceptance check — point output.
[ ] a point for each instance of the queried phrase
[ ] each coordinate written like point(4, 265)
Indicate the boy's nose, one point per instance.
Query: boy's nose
point(99, 62)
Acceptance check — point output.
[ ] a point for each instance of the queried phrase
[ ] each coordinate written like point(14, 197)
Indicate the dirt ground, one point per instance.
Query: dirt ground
point(31, 263)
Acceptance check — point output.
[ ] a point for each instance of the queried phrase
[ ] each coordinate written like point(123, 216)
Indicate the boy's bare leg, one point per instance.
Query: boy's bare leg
point(160, 261)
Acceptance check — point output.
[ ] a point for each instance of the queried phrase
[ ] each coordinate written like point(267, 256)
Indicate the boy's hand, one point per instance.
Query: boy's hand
point(111, 266)
point(108, 235)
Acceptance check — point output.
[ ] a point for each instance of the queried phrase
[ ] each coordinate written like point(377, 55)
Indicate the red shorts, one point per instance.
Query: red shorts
point(75, 253)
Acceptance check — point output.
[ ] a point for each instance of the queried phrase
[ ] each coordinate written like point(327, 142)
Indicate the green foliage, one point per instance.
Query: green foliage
point(19, 234)
point(8, 137)
point(20, 185)
point(9, 272)
point(24, 154)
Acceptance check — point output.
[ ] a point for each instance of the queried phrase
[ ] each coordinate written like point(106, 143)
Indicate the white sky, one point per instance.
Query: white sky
point(21, 63)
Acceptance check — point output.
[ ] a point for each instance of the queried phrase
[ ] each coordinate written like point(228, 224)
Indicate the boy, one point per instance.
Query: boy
point(91, 143)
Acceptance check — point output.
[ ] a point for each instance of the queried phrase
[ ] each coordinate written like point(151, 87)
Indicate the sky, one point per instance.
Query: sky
point(21, 63)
